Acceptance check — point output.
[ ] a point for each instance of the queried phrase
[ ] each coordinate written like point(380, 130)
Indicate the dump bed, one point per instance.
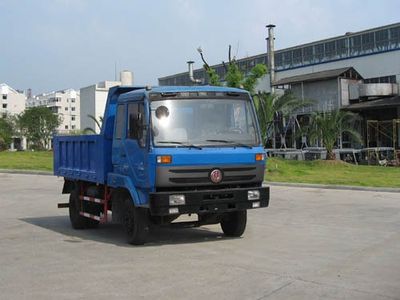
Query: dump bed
point(82, 157)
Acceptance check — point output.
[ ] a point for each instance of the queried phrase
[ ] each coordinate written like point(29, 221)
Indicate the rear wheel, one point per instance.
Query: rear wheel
point(234, 223)
point(136, 222)
point(78, 221)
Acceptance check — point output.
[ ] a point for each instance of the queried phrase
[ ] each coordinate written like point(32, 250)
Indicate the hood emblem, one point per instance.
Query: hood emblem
point(216, 176)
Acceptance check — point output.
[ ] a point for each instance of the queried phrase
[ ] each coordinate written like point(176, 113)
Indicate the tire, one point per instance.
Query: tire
point(136, 223)
point(234, 223)
point(78, 221)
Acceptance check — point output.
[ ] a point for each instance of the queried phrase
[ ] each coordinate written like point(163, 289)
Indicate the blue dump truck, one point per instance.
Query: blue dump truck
point(163, 152)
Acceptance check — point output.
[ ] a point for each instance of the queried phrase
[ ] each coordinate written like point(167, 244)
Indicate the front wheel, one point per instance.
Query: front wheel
point(136, 222)
point(234, 223)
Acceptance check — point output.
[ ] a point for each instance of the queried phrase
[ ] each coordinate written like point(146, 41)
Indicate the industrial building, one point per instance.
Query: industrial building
point(357, 71)
point(64, 103)
point(374, 53)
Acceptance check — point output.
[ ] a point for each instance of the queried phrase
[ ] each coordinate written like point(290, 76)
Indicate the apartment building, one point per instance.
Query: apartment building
point(12, 101)
point(65, 103)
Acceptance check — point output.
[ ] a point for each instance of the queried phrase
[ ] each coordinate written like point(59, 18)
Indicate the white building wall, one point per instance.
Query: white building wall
point(93, 103)
point(369, 66)
point(11, 101)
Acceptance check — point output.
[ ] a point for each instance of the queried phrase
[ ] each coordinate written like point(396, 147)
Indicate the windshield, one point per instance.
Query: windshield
point(203, 122)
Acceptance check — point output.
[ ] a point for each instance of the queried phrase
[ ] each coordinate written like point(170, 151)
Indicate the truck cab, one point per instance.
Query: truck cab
point(168, 151)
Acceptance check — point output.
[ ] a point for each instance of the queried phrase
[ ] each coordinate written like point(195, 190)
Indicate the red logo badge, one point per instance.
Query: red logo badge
point(216, 176)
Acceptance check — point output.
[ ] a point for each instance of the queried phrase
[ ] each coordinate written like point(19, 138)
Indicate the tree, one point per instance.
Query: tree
point(234, 76)
point(6, 133)
point(329, 126)
point(98, 122)
point(270, 107)
point(38, 124)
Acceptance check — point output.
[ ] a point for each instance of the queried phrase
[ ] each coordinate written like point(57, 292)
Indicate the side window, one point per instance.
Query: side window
point(136, 124)
point(120, 121)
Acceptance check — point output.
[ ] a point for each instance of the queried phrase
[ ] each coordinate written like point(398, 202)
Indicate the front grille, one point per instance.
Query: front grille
point(207, 180)
point(181, 176)
point(214, 187)
point(238, 169)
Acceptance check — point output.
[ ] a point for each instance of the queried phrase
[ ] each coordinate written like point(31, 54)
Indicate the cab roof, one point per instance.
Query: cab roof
point(177, 89)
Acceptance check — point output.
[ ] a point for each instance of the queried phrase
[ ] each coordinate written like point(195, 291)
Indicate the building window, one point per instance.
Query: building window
point(394, 37)
point(66, 108)
point(73, 126)
point(287, 58)
point(73, 118)
point(66, 126)
point(383, 79)
point(297, 57)
point(330, 49)
point(261, 60)
point(355, 45)
point(367, 42)
point(4, 105)
point(319, 52)
point(73, 100)
point(73, 108)
point(342, 48)
point(308, 54)
point(4, 96)
point(382, 39)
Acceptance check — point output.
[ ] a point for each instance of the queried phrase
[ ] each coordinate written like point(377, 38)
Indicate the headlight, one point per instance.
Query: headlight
point(177, 200)
point(253, 195)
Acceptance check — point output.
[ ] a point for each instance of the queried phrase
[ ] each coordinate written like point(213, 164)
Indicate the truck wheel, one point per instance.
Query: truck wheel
point(77, 221)
point(234, 223)
point(136, 222)
point(93, 209)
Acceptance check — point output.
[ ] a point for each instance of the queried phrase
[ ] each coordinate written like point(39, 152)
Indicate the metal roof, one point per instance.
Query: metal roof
point(317, 76)
point(374, 104)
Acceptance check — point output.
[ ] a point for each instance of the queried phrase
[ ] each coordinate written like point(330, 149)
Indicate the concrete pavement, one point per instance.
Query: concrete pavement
point(309, 244)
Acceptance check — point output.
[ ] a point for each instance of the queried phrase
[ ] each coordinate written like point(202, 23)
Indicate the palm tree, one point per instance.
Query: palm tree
point(329, 126)
point(98, 122)
point(270, 106)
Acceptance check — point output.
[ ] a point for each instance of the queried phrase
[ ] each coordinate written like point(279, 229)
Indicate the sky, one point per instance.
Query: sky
point(49, 45)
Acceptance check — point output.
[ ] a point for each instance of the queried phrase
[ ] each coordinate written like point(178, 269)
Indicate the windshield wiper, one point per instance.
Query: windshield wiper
point(180, 143)
point(231, 142)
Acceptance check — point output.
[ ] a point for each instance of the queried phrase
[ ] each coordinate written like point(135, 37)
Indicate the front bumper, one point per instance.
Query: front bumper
point(208, 201)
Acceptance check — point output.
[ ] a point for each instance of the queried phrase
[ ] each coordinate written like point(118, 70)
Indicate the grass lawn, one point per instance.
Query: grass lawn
point(279, 170)
point(27, 160)
point(331, 172)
